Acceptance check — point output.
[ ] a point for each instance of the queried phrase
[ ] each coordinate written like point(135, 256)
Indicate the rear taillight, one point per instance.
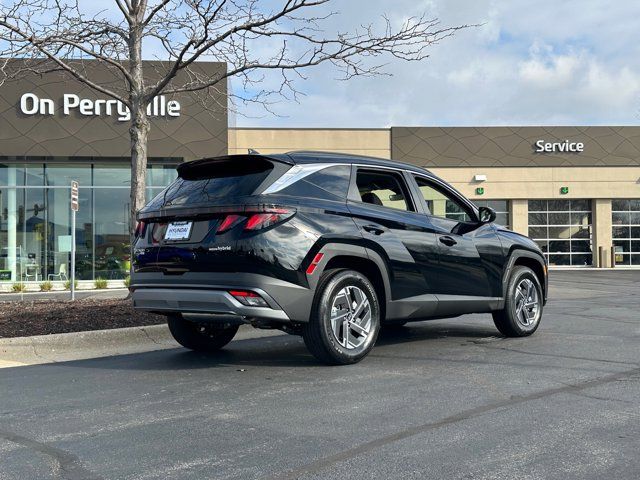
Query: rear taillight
point(141, 227)
point(256, 219)
point(229, 222)
point(268, 218)
point(248, 298)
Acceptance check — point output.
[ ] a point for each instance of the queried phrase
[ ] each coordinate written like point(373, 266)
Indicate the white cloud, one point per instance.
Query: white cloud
point(580, 77)
point(615, 89)
point(574, 62)
point(558, 71)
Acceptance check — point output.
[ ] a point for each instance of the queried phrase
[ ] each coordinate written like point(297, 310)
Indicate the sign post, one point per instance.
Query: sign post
point(74, 209)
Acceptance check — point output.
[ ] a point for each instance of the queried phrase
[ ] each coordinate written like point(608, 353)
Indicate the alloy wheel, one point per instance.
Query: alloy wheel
point(351, 317)
point(527, 303)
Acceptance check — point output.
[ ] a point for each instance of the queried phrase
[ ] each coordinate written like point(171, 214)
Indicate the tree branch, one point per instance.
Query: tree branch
point(179, 64)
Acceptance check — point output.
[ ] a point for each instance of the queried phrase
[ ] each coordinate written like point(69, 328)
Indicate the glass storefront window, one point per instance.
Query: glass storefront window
point(35, 232)
point(111, 232)
point(562, 228)
point(22, 174)
point(35, 218)
point(111, 175)
point(161, 175)
point(23, 233)
point(58, 246)
point(625, 219)
point(61, 174)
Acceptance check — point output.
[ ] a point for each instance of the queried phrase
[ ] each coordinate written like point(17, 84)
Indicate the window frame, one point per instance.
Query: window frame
point(354, 192)
point(630, 240)
point(545, 241)
point(447, 191)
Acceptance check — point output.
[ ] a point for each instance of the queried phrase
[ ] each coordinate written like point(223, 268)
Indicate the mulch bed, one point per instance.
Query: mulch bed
point(43, 317)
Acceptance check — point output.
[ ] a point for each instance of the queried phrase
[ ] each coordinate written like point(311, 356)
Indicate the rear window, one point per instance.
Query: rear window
point(209, 181)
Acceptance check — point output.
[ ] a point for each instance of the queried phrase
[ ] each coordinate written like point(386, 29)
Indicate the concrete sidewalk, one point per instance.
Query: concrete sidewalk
point(63, 347)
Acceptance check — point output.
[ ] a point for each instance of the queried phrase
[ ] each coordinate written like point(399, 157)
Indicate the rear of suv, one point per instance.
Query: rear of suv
point(330, 247)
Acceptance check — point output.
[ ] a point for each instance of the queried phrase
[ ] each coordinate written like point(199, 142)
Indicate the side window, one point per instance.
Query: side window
point(382, 188)
point(442, 205)
point(331, 183)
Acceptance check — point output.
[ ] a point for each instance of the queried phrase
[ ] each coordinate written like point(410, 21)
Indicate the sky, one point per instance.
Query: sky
point(543, 62)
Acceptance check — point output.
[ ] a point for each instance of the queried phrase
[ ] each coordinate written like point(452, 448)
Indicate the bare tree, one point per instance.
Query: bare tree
point(60, 34)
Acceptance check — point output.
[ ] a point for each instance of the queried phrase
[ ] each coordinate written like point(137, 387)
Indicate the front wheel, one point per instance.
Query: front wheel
point(201, 337)
point(522, 304)
point(345, 318)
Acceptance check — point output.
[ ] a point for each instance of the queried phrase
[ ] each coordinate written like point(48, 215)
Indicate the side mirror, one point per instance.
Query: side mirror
point(486, 214)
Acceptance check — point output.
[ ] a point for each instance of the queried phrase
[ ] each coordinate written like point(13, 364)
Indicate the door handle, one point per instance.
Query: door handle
point(373, 229)
point(447, 240)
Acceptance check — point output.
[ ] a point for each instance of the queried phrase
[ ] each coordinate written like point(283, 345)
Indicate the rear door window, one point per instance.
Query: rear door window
point(382, 188)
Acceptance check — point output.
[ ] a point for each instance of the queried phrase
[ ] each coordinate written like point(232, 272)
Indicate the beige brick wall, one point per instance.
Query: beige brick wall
point(545, 182)
point(371, 142)
point(519, 216)
point(602, 234)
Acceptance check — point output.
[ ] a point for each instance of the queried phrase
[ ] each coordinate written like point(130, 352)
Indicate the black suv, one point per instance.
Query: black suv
point(328, 246)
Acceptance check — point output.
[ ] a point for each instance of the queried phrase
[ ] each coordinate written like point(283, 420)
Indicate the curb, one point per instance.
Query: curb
point(64, 347)
point(64, 295)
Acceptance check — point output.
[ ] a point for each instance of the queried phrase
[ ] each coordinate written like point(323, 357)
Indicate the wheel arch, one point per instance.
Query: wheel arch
point(528, 259)
point(362, 260)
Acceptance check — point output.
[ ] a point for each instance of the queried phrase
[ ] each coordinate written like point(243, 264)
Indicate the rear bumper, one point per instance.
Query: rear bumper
point(190, 300)
point(208, 293)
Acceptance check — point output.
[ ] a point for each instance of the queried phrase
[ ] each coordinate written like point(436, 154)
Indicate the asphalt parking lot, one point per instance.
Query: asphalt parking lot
point(441, 399)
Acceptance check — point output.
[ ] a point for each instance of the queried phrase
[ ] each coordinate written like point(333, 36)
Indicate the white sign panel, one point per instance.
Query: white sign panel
point(64, 243)
point(74, 196)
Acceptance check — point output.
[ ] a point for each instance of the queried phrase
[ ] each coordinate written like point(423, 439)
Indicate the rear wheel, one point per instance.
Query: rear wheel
point(523, 304)
point(201, 337)
point(345, 318)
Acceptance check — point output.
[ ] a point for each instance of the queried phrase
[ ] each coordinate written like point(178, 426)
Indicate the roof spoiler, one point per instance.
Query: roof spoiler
point(224, 165)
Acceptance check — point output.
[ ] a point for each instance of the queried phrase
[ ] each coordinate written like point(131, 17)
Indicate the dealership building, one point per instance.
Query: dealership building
point(575, 190)
point(54, 130)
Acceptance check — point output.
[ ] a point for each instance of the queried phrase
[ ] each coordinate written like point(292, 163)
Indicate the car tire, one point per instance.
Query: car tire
point(523, 304)
point(345, 318)
point(198, 336)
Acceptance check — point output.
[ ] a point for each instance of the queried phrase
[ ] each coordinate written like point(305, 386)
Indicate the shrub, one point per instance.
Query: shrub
point(18, 287)
point(46, 286)
point(67, 285)
point(100, 283)
point(127, 281)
